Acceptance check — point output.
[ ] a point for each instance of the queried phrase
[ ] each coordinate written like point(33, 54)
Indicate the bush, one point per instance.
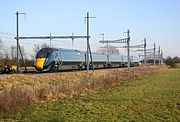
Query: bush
point(171, 62)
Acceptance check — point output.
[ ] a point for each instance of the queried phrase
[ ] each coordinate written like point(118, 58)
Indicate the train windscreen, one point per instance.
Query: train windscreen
point(44, 53)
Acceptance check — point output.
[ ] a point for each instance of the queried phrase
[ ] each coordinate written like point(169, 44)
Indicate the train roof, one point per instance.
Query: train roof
point(60, 49)
point(73, 50)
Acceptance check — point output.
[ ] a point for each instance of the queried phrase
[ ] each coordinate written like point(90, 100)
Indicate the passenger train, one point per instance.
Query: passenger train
point(54, 59)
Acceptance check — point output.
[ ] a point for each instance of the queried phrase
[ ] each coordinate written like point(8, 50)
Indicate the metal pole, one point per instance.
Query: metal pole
point(91, 57)
point(107, 45)
point(102, 36)
point(154, 54)
point(108, 52)
point(87, 56)
point(159, 56)
point(145, 52)
point(17, 38)
point(72, 40)
point(128, 49)
point(23, 58)
point(50, 39)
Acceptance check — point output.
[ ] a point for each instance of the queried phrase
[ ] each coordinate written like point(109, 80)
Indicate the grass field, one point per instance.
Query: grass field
point(156, 98)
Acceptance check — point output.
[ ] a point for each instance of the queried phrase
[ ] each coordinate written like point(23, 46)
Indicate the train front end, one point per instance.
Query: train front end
point(41, 59)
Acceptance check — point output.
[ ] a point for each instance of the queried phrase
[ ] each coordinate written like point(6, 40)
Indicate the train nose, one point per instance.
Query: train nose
point(40, 63)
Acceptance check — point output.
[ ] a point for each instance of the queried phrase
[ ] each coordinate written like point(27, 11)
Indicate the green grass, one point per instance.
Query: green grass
point(178, 65)
point(156, 98)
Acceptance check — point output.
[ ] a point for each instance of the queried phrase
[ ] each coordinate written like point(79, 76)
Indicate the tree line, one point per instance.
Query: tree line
point(8, 55)
point(172, 62)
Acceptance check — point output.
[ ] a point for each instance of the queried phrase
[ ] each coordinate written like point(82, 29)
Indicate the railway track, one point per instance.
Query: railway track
point(62, 71)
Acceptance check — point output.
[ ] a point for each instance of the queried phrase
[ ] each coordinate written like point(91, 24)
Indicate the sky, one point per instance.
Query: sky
point(156, 20)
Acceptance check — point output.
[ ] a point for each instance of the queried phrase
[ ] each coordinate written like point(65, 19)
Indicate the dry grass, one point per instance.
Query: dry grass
point(15, 98)
point(17, 91)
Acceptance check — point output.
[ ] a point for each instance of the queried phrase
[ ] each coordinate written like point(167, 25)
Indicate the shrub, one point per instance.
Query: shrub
point(170, 62)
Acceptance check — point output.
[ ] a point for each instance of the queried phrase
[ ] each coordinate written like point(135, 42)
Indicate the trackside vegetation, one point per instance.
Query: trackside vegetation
point(20, 90)
point(154, 98)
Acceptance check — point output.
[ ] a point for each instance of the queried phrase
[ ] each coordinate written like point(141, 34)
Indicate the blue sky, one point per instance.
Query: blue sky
point(157, 20)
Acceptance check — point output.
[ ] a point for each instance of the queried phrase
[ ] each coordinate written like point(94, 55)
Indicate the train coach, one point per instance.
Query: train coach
point(54, 59)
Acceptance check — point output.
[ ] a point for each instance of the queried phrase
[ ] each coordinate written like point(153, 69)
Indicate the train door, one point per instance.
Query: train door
point(56, 65)
point(108, 63)
point(57, 58)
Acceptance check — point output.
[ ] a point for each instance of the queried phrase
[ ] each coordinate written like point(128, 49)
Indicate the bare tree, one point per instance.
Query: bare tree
point(23, 52)
point(1, 48)
point(44, 45)
point(37, 47)
point(109, 49)
point(6, 54)
point(13, 53)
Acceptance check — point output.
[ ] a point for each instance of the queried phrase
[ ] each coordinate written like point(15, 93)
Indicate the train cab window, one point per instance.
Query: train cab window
point(43, 53)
